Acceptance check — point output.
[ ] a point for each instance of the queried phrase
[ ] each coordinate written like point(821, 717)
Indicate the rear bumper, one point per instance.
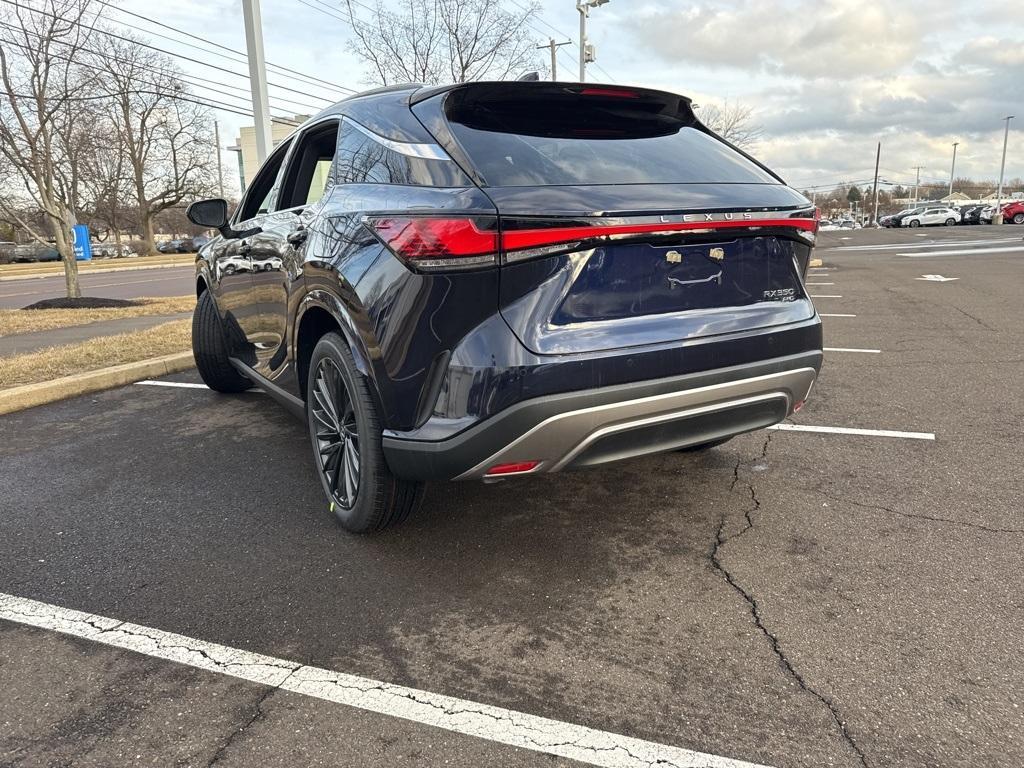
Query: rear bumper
point(596, 426)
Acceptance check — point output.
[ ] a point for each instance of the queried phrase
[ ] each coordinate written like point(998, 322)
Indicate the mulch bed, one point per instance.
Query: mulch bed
point(85, 302)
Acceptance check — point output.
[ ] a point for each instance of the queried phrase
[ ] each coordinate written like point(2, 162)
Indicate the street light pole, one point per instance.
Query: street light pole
point(220, 166)
point(257, 77)
point(917, 184)
point(584, 6)
point(1002, 168)
point(952, 168)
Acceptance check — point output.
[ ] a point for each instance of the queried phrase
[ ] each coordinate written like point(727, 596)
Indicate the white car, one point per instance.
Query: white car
point(927, 217)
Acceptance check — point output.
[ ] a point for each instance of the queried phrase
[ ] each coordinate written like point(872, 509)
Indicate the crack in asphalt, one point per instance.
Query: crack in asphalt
point(237, 732)
point(978, 320)
point(914, 515)
point(755, 609)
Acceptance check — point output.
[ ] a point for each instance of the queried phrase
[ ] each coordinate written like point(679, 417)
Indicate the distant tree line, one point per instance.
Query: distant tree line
point(93, 129)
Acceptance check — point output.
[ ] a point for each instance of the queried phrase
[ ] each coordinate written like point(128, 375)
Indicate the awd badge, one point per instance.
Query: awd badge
point(718, 254)
point(673, 257)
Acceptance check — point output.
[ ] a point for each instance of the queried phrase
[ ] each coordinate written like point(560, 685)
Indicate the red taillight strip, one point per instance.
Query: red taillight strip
point(517, 239)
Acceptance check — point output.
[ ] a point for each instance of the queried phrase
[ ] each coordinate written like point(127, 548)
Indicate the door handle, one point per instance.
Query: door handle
point(298, 236)
point(244, 247)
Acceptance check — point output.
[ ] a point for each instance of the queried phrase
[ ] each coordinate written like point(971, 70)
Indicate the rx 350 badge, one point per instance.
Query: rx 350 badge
point(780, 294)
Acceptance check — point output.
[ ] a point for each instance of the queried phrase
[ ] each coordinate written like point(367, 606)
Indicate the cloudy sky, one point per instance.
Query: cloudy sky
point(827, 79)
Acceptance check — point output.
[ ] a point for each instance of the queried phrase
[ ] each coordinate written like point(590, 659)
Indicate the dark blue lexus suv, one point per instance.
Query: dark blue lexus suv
point(491, 280)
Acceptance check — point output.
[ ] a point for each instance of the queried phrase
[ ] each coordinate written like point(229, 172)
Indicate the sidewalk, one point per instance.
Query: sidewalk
point(20, 343)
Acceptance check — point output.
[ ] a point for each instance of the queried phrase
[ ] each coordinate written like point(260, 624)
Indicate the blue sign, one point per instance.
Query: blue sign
point(80, 242)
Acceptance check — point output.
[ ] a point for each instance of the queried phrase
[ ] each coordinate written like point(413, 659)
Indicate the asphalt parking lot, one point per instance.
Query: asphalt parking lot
point(846, 597)
point(131, 284)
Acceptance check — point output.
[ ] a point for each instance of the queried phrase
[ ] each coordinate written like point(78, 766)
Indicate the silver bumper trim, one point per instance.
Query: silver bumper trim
point(559, 439)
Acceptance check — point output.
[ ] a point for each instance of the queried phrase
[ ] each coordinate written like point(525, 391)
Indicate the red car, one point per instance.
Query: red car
point(1014, 212)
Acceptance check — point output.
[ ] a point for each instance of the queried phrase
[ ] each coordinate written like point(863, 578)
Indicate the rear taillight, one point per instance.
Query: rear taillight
point(433, 243)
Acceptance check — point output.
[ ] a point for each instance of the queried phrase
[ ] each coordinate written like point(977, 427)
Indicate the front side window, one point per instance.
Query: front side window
point(259, 196)
point(309, 173)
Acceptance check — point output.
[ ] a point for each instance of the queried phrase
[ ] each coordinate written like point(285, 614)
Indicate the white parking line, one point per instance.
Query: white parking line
point(819, 283)
point(504, 726)
point(852, 349)
point(823, 314)
point(825, 296)
point(945, 244)
point(965, 252)
point(854, 431)
point(182, 384)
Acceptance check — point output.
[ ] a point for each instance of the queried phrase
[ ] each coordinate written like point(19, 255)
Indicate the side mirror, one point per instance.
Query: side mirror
point(212, 214)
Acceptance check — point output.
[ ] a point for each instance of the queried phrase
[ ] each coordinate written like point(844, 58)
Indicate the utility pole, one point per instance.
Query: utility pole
point(1002, 168)
point(917, 183)
point(878, 158)
point(554, 59)
point(257, 77)
point(952, 168)
point(220, 167)
point(586, 50)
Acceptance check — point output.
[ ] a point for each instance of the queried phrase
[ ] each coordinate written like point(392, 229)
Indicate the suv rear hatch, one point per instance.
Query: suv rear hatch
point(623, 221)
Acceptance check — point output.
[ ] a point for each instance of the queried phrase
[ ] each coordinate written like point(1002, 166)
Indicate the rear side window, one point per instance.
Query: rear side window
point(364, 158)
point(559, 136)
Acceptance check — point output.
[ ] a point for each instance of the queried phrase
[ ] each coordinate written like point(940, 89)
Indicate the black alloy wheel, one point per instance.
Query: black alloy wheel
point(346, 436)
point(336, 434)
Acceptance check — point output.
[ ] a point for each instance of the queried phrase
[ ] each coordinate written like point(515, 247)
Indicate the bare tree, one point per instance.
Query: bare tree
point(438, 41)
point(733, 122)
point(165, 137)
point(44, 117)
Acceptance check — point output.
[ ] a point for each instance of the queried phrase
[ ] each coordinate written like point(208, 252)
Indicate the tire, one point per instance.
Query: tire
point(950, 222)
point(914, 223)
point(1018, 218)
point(341, 412)
point(704, 446)
point(210, 349)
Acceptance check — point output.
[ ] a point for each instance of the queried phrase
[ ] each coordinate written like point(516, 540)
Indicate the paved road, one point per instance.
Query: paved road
point(170, 281)
point(790, 598)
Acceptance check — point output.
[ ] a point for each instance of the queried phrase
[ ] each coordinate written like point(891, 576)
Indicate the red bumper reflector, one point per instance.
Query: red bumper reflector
point(798, 406)
point(509, 469)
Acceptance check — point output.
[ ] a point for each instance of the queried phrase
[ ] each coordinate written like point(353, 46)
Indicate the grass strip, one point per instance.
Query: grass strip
point(14, 321)
point(54, 362)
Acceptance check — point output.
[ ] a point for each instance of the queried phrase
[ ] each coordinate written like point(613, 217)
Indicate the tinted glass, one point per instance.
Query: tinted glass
point(258, 196)
point(309, 173)
point(578, 140)
point(361, 160)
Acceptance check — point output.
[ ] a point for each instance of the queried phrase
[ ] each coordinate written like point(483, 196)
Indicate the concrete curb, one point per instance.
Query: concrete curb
point(101, 271)
point(31, 395)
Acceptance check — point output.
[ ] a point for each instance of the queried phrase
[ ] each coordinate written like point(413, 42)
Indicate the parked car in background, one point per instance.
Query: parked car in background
point(36, 252)
point(896, 219)
point(169, 246)
point(7, 251)
point(971, 214)
point(986, 214)
point(931, 216)
point(111, 250)
point(1013, 213)
point(192, 244)
point(419, 341)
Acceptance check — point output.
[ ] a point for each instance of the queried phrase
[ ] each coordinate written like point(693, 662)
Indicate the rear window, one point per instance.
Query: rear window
point(564, 136)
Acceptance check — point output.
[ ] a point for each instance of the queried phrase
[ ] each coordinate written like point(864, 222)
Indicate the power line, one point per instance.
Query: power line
point(163, 86)
point(207, 100)
point(157, 48)
point(244, 56)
